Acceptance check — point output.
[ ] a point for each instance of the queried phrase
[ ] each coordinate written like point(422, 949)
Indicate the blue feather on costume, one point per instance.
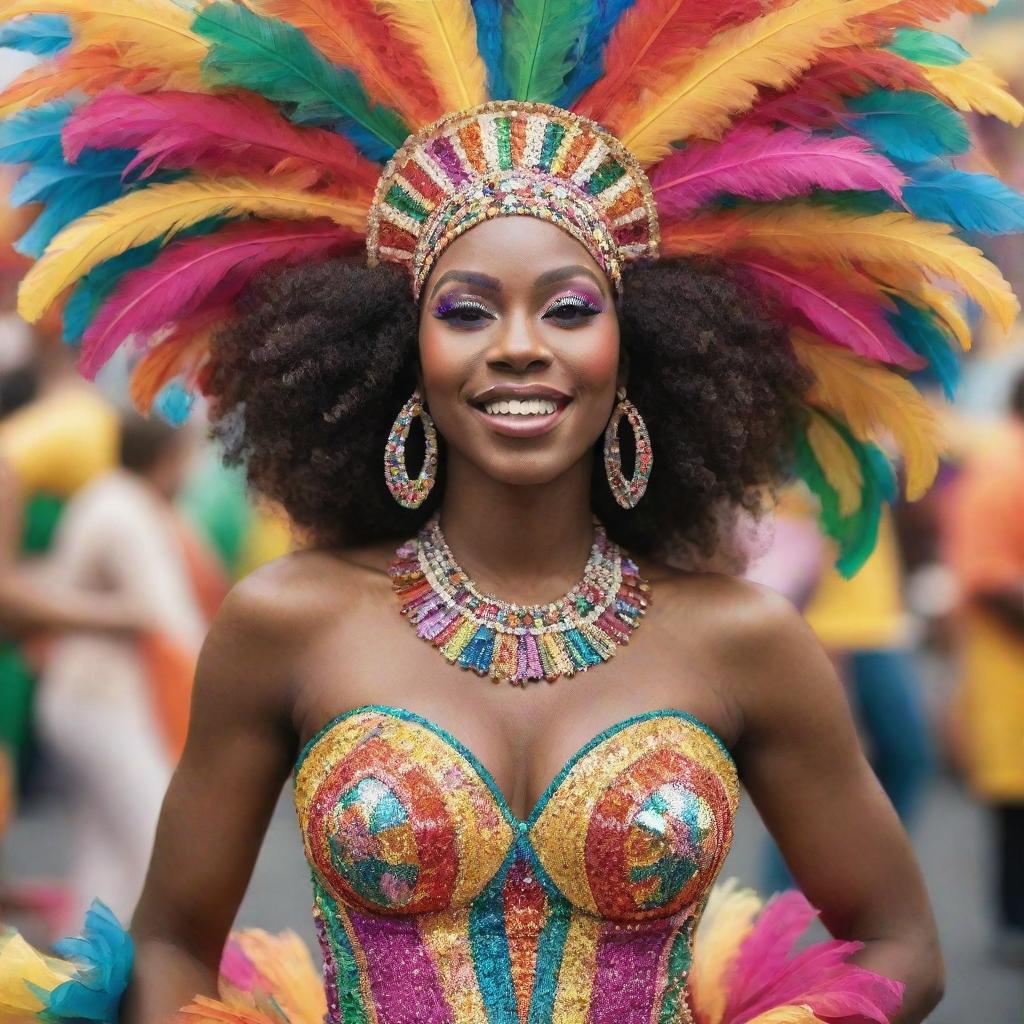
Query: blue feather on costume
point(33, 135)
point(488, 14)
point(972, 202)
point(920, 330)
point(42, 34)
point(591, 64)
point(910, 126)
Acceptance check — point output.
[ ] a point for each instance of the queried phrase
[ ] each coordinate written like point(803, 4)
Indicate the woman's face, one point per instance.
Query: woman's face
point(519, 349)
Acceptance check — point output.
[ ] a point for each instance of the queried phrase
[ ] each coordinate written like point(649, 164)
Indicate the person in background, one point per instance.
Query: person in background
point(112, 708)
point(984, 535)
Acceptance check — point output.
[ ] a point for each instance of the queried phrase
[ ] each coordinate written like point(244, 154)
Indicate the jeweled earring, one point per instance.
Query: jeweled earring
point(627, 492)
point(407, 492)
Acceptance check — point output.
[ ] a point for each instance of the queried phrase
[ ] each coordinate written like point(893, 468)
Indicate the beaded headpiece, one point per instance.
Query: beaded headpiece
point(506, 159)
point(178, 147)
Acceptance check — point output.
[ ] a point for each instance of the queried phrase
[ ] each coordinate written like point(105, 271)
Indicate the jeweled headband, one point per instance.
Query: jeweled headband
point(504, 159)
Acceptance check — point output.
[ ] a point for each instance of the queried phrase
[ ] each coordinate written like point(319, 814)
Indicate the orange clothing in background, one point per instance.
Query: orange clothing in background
point(985, 548)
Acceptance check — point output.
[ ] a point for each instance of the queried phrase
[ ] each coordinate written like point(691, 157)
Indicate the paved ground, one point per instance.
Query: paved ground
point(951, 841)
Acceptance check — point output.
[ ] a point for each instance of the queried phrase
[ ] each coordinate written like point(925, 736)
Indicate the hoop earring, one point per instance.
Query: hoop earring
point(627, 492)
point(407, 492)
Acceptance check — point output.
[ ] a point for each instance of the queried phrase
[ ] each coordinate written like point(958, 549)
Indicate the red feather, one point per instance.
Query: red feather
point(652, 37)
point(914, 13)
point(842, 307)
point(816, 99)
point(242, 133)
point(761, 163)
point(352, 34)
point(190, 276)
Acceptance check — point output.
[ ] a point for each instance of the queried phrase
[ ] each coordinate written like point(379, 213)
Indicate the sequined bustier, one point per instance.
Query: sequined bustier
point(434, 903)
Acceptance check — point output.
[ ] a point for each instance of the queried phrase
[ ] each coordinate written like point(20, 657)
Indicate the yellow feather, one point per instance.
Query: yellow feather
point(838, 463)
point(876, 404)
point(918, 291)
point(20, 966)
point(972, 85)
point(727, 921)
point(443, 33)
point(723, 81)
point(876, 241)
point(155, 31)
point(163, 210)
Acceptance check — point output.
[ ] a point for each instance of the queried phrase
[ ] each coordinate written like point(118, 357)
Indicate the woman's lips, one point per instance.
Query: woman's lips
point(518, 425)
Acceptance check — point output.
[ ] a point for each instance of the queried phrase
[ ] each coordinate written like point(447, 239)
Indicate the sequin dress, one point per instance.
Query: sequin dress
point(434, 903)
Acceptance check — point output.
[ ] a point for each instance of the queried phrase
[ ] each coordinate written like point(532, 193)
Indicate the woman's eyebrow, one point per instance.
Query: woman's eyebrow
point(564, 273)
point(467, 277)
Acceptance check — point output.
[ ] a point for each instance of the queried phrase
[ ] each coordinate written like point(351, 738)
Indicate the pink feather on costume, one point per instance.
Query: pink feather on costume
point(758, 162)
point(766, 973)
point(192, 275)
point(227, 133)
point(843, 308)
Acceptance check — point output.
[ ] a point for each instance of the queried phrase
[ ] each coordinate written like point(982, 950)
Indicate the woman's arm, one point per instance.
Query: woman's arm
point(239, 751)
point(801, 761)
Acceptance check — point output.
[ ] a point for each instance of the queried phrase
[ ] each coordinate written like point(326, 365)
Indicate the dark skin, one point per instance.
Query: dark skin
point(317, 633)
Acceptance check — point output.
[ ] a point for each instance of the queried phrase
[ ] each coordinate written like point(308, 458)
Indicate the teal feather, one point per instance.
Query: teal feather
point(270, 57)
point(543, 40)
point(45, 35)
point(910, 126)
point(921, 331)
point(923, 47)
point(33, 135)
point(488, 15)
point(971, 202)
point(173, 403)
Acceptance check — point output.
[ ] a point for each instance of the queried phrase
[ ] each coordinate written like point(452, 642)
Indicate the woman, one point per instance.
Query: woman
point(480, 854)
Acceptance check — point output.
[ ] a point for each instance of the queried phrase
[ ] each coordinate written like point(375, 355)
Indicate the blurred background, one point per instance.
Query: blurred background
point(108, 521)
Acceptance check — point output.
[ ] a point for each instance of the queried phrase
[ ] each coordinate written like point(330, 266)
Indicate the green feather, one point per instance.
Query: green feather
point(543, 41)
point(276, 60)
point(924, 47)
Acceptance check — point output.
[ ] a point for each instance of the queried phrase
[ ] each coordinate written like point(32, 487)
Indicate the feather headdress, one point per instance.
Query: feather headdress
point(178, 148)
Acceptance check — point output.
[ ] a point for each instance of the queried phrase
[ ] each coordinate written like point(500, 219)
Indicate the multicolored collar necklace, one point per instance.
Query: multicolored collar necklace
point(519, 643)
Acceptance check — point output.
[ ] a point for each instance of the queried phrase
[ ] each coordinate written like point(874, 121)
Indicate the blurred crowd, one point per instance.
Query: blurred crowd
point(120, 535)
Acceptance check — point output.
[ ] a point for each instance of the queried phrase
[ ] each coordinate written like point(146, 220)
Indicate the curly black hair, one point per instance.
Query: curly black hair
point(307, 380)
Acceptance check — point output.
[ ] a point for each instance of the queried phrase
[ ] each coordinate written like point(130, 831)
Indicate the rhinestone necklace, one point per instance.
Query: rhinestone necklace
point(518, 643)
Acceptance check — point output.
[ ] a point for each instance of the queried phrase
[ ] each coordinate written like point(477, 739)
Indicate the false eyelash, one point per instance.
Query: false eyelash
point(574, 300)
point(448, 306)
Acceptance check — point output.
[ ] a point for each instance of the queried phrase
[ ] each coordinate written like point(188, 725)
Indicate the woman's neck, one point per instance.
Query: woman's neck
point(523, 544)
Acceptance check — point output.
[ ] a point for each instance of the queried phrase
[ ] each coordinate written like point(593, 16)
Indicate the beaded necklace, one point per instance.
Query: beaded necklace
point(519, 643)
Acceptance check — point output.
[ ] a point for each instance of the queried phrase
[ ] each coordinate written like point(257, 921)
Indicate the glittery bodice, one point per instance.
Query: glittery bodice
point(434, 903)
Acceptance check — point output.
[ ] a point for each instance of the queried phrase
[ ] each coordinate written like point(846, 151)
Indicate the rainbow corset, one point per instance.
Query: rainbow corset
point(434, 904)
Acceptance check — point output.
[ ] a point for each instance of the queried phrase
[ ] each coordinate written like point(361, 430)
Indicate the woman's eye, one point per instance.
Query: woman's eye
point(572, 310)
point(464, 313)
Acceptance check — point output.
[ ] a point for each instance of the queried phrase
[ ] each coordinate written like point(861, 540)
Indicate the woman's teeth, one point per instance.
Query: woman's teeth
point(518, 407)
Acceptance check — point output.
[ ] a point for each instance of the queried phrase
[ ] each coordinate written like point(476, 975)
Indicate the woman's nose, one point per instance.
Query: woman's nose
point(519, 345)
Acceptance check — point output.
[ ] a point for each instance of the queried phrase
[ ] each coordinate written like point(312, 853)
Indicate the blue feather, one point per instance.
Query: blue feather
point(909, 125)
point(923, 47)
point(173, 403)
point(488, 14)
point(33, 135)
point(919, 329)
point(590, 66)
point(973, 202)
point(41, 34)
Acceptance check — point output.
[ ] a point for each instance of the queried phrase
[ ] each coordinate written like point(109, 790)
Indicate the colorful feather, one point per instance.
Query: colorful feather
point(841, 306)
point(590, 65)
point(760, 163)
point(911, 126)
point(924, 47)
point(158, 212)
point(276, 60)
point(915, 13)
point(814, 235)
point(489, 15)
point(649, 35)
point(971, 85)
point(925, 336)
point(875, 403)
point(177, 356)
point(973, 202)
point(190, 276)
point(33, 136)
point(41, 34)
point(723, 81)
point(233, 133)
point(352, 35)
point(837, 461)
point(442, 33)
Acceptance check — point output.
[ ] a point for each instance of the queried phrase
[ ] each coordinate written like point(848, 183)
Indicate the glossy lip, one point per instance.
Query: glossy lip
point(521, 426)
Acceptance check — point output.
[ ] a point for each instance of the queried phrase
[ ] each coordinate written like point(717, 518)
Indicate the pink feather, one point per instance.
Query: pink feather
point(758, 163)
point(766, 973)
point(842, 307)
point(197, 273)
point(224, 133)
